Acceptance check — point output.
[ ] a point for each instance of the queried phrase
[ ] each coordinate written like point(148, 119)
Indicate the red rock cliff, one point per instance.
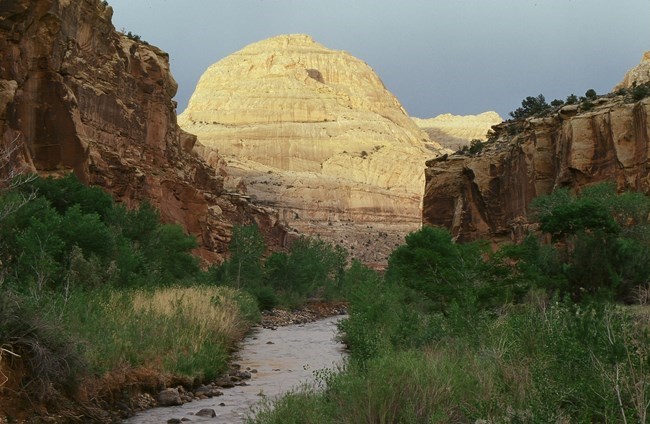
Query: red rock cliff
point(78, 95)
point(488, 196)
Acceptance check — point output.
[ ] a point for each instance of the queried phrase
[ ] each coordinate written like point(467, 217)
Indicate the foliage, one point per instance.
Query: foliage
point(530, 106)
point(510, 367)
point(475, 147)
point(244, 268)
point(557, 102)
point(571, 99)
point(39, 347)
point(311, 267)
point(605, 239)
point(640, 92)
point(71, 233)
point(591, 94)
point(435, 267)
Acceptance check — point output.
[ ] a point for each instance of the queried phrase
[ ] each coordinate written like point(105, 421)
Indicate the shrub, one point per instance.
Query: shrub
point(640, 92)
point(38, 349)
point(605, 238)
point(530, 106)
point(591, 94)
point(571, 99)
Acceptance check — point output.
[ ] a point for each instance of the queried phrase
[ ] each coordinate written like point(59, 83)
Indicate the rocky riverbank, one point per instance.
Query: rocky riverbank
point(184, 390)
point(270, 362)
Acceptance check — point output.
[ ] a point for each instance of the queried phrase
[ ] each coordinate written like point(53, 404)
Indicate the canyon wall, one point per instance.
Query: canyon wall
point(572, 146)
point(78, 96)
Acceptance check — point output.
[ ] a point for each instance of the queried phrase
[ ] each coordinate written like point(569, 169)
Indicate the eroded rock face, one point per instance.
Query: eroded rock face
point(312, 132)
point(638, 75)
point(80, 96)
point(488, 196)
point(456, 131)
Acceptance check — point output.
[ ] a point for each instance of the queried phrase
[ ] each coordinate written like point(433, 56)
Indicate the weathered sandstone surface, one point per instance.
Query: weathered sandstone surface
point(638, 75)
point(457, 131)
point(488, 195)
point(314, 133)
point(78, 96)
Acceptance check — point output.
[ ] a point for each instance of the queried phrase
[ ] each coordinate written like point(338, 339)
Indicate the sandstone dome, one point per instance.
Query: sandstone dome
point(311, 131)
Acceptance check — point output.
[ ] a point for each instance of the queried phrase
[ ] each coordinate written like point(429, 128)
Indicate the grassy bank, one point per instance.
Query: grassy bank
point(99, 302)
point(537, 363)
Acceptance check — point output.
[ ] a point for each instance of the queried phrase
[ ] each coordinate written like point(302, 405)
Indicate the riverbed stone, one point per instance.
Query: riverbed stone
point(169, 397)
point(206, 412)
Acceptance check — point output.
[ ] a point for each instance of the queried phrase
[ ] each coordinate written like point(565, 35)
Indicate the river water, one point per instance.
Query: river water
point(284, 359)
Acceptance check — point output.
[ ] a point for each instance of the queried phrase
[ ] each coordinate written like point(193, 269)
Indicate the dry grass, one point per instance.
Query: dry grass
point(209, 311)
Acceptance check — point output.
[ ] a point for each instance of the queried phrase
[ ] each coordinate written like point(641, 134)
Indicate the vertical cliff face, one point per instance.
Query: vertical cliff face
point(488, 195)
point(77, 95)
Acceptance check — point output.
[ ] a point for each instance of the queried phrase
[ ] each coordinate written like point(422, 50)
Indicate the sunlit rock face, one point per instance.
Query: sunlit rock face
point(488, 196)
point(457, 131)
point(76, 95)
point(638, 75)
point(313, 132)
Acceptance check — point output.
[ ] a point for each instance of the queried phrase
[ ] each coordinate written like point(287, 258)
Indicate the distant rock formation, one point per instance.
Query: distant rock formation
point(81, 97)
point(314, 133)
point(638, 75)
point(457, 131)
point(488, 196)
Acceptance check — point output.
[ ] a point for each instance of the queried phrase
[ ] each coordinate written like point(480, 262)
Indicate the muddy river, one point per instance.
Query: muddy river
point(284, 359)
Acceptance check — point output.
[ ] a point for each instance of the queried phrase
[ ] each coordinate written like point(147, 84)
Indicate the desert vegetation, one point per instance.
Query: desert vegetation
point(99, 299)
point(537, 332)
point(100, 302)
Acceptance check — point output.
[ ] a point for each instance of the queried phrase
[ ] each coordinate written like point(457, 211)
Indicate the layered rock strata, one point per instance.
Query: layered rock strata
point(314, 133)
point(457, 131)
point(75, 95)
point(576, 145)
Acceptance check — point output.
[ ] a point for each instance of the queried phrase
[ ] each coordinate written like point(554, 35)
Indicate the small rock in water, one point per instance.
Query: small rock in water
point(269, 342)
point(185, 419)
point(222, 404)
point(174, 421)
point(206, 412)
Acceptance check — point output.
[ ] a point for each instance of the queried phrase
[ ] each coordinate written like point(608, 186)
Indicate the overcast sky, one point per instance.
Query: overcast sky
point(436, 56)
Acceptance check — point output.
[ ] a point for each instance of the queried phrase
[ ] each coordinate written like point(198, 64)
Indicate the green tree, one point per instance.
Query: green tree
point(244, 268)
point(591, 94)
point(311, 267)
point(435, 267)
point(530, 106)
point(604, 238)
point(571, 99)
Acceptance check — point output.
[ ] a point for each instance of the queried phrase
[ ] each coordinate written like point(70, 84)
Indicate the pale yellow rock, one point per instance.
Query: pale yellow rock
point(638, 75)
point(311, 131)
point(456, 131)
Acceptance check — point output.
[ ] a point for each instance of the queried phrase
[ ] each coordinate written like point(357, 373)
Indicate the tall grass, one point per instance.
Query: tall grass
point(554, 363)
point(181, 330)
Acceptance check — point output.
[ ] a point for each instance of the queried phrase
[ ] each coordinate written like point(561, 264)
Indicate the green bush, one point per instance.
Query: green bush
point(70, 230)
point(605, 239)
point(640, 92)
